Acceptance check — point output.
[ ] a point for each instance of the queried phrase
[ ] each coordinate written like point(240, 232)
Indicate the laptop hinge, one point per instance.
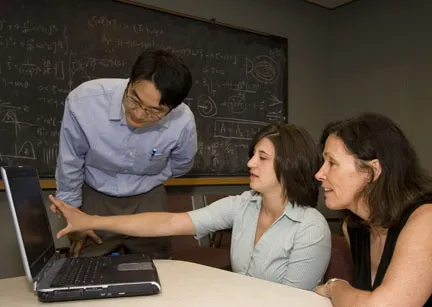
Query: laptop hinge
point(44, 271)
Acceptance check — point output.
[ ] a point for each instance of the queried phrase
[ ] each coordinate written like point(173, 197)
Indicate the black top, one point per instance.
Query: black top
point(359, 237)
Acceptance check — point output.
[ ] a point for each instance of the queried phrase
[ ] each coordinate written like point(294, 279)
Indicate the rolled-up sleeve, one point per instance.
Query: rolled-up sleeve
point(217, 216)
point(310, 256)
point(182, 157)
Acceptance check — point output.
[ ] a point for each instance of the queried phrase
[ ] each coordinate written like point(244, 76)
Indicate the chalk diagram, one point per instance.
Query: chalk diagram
point(206, 106)
point(237, 103)
point(263, 68)
point(80, 66)
point(50, 154)
point(11, 118)
point(275, 115)
point(26, 150)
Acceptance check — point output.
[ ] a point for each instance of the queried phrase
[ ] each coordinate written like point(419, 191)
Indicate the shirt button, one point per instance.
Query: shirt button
point(131, 153)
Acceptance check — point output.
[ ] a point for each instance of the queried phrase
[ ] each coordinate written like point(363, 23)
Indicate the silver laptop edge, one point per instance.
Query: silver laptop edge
point(17, 228)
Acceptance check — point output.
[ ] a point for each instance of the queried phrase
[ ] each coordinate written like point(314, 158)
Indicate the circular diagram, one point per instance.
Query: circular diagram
point(206, 106)
point(263, 68)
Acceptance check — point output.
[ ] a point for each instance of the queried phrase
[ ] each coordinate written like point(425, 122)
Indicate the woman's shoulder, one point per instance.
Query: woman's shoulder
point(421, 214)
point(248, 196)
point(416, 225)
point(240, 200)
point(311, 218)
point(418, 212)
point(313, 215)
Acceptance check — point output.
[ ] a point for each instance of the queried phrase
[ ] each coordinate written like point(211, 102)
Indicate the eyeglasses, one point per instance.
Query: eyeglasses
point(133, 104)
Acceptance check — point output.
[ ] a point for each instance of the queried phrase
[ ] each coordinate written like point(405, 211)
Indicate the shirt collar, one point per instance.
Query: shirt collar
point(291, 211)
point(165, 120)
point(116, 111)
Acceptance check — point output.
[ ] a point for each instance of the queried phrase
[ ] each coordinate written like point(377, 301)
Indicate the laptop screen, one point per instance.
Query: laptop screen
point(31, 216)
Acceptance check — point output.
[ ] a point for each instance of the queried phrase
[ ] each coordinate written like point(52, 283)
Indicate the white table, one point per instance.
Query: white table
point(183, 284)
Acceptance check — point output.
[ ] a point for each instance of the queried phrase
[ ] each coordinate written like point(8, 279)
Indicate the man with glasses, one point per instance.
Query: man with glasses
point(120, 139)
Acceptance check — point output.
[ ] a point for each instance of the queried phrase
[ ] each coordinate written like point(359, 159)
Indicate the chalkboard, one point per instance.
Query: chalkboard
point(48, 47)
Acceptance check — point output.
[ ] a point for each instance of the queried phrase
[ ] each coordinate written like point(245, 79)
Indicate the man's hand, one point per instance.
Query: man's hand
point(78, 224)
point(78, 239)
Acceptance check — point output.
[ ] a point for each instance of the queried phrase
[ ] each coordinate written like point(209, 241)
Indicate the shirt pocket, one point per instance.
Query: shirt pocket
point(156, 163)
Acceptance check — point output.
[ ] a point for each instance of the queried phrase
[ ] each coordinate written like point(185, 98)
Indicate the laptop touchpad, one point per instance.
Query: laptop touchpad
point(134, 266)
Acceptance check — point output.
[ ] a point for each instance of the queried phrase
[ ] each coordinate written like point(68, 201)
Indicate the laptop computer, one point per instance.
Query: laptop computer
point(56, 279)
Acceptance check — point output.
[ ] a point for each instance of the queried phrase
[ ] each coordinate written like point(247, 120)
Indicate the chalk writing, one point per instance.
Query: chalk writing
point(213, 70)
point(106, 22)
point(241, 86)
point(140, 28)
point(119, 42)
point(86, 65)
point(30, 45)
point(239, 77)
point(32, 69)
point(28, 27)
point(236, 129)
point(15, 83)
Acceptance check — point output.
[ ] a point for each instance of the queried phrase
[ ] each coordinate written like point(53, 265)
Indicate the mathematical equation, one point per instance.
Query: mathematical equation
point(238, 77)
point(29, 27)
point(35, 68)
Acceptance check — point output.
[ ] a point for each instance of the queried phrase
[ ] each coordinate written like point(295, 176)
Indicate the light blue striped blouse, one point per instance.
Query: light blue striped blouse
point(294, 251)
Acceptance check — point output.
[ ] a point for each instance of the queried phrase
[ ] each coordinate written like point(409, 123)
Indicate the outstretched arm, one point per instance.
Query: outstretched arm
point(151, 224)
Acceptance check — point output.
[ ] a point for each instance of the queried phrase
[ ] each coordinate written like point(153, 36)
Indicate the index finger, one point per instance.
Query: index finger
point(56, 202)
point(57, 206)
point(53, 199)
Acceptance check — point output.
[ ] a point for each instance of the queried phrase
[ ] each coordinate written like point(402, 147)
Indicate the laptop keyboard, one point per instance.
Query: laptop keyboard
point(80, 271)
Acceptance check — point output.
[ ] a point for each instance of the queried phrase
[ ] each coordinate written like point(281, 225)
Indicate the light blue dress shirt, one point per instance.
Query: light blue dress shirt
point(294, 251)
point(98, 147)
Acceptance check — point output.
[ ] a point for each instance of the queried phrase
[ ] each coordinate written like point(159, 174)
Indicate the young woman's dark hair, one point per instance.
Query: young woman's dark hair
point(297, 159)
